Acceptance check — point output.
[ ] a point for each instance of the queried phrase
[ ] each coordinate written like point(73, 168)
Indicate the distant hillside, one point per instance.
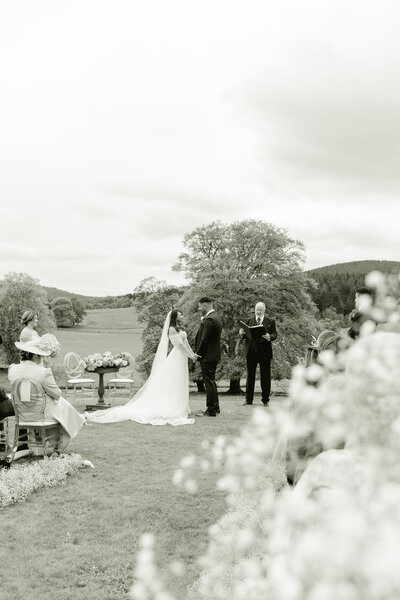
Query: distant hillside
point(91, 302)
point(360, 266)
point(53, 292)
point(336, 284)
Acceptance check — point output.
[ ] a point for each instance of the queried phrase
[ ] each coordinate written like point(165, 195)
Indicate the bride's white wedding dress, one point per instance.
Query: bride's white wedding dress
point(164, 398)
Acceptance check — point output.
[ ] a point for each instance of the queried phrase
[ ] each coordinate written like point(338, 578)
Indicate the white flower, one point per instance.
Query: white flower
point(374, 279)
point(187, 462)
point(178, 477)
point(177, 568)
point(191, 486)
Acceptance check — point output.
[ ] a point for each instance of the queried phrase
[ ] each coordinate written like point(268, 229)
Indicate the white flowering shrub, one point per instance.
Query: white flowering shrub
point(336, 534)
point(18, 482)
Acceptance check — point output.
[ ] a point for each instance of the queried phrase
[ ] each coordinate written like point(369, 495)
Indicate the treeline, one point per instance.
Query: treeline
point(360, 267)
point(109, 302)
point(336, 284)
point(91, 302)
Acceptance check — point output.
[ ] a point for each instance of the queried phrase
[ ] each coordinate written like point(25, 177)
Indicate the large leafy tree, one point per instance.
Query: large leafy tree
point(239, 265)
point(63, 311)
point(19, 292)
point(79, 310)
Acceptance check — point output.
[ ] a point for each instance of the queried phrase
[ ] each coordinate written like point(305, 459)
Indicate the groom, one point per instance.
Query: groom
point(208, 352)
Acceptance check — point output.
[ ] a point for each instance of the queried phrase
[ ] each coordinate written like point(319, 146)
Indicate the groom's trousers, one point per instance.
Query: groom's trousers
point(208, 372)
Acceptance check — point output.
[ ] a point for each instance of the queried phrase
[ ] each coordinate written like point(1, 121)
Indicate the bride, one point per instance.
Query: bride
point(164, 398)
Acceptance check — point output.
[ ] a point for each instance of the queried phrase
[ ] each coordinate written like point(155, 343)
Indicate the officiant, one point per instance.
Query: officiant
point(258, 352)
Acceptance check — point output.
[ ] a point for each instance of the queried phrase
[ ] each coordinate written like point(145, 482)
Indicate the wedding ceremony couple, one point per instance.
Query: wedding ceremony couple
point(164, 398)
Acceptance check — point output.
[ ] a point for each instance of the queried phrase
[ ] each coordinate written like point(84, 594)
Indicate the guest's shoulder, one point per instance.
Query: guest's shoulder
point(13, 370)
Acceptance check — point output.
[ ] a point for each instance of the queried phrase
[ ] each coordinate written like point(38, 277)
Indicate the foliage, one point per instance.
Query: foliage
point(63, 312)
point(18, 293)
point(79, 310)
point(18, 482)
point(91, 302)
point(337, 283)
point(95, 302)
point(330, 319)
point(153, 300)
point(242, 264)
point(250, 248)
point(361, 267)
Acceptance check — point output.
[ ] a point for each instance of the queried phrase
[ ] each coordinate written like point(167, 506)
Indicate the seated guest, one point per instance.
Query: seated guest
point(362, 301)
point(6, 410)
point(29, 320)
point(57, 408)
point(328, 340)
point(6, 407)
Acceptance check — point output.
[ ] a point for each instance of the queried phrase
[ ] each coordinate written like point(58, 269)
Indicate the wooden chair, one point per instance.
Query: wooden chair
point(43, 436)
point(124, 378)
point(6, 424)
point(4, 437)
point(74, 368)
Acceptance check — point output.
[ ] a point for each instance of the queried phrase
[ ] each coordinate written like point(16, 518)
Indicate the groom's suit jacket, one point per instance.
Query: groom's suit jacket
point(208, 339)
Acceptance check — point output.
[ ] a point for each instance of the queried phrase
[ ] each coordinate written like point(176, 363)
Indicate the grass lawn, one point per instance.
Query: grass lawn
point(79, 541)
point(114, 329)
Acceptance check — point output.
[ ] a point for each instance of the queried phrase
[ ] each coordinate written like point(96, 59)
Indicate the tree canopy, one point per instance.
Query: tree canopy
point(247, 249)
point(239, 265)
point(18, 293)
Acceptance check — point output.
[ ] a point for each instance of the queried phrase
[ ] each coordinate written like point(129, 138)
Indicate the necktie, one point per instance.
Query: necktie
point(258, 320)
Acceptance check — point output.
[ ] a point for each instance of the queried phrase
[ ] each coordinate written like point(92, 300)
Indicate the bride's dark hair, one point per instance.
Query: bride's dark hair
point(172, 321)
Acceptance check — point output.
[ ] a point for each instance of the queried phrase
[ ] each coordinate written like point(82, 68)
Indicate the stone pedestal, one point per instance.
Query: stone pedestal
point(101, 405)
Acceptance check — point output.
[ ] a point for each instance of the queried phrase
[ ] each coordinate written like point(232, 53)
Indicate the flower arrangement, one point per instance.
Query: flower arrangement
point(97, 360)
point(17, 483)
point(49, 343)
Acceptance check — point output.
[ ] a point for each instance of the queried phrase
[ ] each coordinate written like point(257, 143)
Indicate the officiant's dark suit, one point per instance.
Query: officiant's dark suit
point(259, 352)
point(208, 349)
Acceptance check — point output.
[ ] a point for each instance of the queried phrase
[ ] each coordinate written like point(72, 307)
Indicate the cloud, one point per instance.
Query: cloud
point(326, 95)
point(285, 112)
point(15, 251)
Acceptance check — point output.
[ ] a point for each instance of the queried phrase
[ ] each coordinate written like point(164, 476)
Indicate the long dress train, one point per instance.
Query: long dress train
point(164, 398)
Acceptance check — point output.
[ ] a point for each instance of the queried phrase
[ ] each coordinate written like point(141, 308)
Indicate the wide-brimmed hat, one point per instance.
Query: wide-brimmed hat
point(32, 347)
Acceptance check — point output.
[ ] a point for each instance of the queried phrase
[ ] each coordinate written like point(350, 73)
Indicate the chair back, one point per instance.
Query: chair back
point(29, 400)
point(126, 372)
point(74, 366)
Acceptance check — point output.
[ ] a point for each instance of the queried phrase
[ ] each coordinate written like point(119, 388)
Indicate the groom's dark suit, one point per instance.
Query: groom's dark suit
point(208, 348)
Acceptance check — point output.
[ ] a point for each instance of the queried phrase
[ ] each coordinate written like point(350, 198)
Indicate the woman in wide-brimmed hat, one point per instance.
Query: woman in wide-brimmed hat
point(57, 408)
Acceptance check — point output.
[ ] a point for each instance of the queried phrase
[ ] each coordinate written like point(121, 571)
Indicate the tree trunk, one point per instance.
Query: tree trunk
point(234, 388)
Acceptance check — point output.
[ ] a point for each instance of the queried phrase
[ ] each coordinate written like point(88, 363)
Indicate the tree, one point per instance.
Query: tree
point(79, 310)
point(241, 264)
point(63, 312)
point(153, 300)
point(19, 292)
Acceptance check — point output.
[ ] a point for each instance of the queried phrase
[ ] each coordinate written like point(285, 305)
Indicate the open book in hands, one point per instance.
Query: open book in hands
point(255, 331)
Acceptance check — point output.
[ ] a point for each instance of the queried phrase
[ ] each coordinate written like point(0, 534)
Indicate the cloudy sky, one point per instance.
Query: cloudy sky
point(125, 124)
